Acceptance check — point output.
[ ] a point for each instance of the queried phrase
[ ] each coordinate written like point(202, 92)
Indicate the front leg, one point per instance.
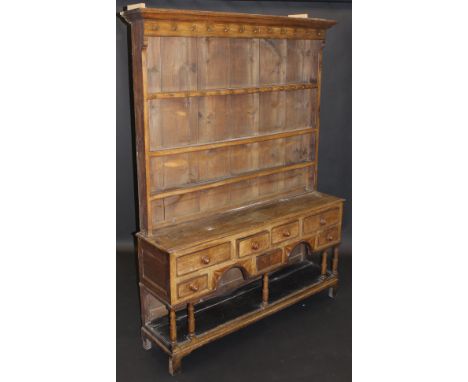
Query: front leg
point(175, 364)
point(147, 345)
point(332, 292)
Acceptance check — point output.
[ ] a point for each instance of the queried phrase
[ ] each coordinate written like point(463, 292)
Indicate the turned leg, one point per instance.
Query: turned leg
point(335, 261)
point(265, 291)
point(175, 364)
point(334, 289)
point(144, 316)
point(172, 326)
point(191, 319)
point(324, 263)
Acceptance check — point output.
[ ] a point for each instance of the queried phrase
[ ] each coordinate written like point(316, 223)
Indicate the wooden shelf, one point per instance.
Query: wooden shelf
point(218, 92)
point(230, 180)
point(234, 142)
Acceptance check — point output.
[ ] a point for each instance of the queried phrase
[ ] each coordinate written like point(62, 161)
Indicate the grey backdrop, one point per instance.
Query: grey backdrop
point(335, 133)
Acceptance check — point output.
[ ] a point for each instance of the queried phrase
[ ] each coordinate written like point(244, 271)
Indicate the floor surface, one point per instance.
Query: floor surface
point(309, 341)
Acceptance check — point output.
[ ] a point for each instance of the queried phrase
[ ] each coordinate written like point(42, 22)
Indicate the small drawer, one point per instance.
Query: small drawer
point(193, 286)
point(285, 232)
point(328, 237)
point(319, 221)
point(253, 244)
point(202, 259)
point(269, 260)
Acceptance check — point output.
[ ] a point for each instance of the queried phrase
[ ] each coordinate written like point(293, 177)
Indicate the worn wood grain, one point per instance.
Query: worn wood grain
point(229, 91)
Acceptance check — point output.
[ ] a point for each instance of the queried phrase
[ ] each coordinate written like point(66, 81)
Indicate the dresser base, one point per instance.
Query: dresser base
point(221, 316)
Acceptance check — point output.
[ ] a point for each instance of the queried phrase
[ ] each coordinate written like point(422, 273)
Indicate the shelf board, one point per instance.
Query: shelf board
point(218, 92)
point(230, 180)
point(233, 142)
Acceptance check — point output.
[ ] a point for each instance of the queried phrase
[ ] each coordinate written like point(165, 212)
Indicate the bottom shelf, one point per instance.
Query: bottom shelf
point(244, 305)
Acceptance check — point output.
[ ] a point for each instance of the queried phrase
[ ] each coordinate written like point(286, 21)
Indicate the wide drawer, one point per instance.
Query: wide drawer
point(319, 221)
point(202, 259)
point(193, 286)
point(253, 244)
point(285, 232)
point(328, 237)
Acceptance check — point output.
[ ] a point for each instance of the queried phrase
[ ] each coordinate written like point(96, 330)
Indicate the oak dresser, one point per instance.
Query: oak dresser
point(232, 227)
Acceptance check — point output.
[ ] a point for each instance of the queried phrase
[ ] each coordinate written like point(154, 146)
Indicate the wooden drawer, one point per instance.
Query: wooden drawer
point(319, 221)
point(253, 244)
point(269, 260)
point(328, 237)
point(193, 286)
point(202, 259)
point(285, 232)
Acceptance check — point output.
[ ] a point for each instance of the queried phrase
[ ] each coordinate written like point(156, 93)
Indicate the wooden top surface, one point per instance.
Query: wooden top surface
point(223, 17)
point(180, 236)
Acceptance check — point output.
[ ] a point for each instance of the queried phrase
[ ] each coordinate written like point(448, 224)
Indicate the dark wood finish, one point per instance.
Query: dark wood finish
point(227, 130)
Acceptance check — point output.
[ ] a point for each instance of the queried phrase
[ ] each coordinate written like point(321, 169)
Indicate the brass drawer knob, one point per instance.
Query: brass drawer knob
point(255, 245)
point(205, 259)
point(330, 238)
point(286, 233)
point(323, 221)
point(193, 287)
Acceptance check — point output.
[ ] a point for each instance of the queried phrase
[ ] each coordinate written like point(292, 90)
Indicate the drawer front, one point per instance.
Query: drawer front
point(319, 221)
point(193, 286)
point(202, 259)
point(269, 260)
point(254, 244)
point(285, 232)
point(329, 236)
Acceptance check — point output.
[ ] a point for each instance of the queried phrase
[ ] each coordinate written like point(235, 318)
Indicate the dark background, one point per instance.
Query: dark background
point(308, 341)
